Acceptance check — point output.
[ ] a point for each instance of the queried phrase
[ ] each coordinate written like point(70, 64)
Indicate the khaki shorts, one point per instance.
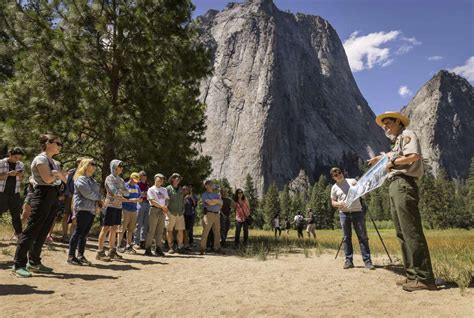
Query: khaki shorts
point(175, 222)
point(129, 221)
point(310, 227)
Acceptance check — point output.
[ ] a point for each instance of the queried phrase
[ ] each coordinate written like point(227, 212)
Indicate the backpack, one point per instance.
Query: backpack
point(299, 220)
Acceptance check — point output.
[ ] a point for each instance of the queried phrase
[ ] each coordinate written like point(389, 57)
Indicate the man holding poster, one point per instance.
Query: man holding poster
point(404, 167)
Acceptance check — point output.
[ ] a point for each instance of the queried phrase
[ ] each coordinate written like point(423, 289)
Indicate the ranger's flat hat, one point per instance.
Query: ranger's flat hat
point(397, 115)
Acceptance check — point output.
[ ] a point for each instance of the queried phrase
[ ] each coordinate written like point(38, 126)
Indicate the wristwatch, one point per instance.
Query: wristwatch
point(393, 162)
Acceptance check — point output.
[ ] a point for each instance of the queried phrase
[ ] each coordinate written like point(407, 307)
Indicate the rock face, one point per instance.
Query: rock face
point(281, 98)
point(442, 115)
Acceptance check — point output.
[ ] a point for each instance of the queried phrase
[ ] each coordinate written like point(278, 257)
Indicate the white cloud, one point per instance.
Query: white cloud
point(466, 70)
point(404, 91)
point(435, 58)
point(411, 40)
point(367, 51)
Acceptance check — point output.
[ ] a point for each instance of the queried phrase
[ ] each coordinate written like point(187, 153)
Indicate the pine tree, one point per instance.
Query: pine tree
point(470, 191)
point(285, 202)
point(271, 204)
point(255, 207)
point(114, 79)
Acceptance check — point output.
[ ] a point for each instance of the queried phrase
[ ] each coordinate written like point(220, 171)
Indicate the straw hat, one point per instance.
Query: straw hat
point(397, 115)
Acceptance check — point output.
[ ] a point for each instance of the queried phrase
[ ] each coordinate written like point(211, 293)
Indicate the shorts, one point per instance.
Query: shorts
point(176, 222)
point(311, 227)
point(68, 205)
point(112, 216)
point(129, 221)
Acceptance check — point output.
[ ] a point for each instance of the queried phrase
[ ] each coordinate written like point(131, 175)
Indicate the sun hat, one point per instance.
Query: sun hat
point(397, 115)
point(159, 175)
point(175, 176)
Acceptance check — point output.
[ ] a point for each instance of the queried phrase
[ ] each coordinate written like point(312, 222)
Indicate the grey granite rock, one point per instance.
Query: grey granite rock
point(442, 115)
point(281, 98)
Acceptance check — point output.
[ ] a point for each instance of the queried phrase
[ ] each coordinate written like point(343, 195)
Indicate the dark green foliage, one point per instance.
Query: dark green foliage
point(271, 204)
point(250, 193)
point(115, 79)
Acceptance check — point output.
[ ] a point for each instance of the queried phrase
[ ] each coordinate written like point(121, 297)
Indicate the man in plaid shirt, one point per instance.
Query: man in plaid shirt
point(11, 175)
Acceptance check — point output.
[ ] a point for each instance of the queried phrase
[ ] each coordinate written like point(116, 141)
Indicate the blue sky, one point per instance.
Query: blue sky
point(408, 41)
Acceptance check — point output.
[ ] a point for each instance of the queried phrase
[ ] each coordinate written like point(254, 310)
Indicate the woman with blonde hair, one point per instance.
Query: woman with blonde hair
point(85, 200)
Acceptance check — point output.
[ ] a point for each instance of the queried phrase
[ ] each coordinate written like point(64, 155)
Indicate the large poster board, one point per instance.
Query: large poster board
point(371, 180)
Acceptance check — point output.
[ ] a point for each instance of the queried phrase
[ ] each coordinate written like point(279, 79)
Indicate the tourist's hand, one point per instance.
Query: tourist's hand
point(373, 160)
point(389, 166)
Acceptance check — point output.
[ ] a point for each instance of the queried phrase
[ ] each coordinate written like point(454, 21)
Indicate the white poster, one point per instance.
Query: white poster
point(371, 180)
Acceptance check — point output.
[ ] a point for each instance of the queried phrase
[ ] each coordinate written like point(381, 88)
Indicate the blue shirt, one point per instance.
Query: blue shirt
point(211, 196)
point(134, 192)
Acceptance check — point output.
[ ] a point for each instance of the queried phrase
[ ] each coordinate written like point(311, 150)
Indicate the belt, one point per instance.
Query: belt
point(401, 176)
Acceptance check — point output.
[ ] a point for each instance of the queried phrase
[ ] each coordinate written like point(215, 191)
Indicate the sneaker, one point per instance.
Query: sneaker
point(101, 256)
point(201, 251)
point(182, 250)
point(348, 264)
point(403, 281)
point(114, 255)
point(159, 252)
point(130, 250)
point(121, 249)
point(22, 272)
point(171, 251)
point(415, 285)
point(148, 252)
point(40, 268)
point(142, 245)
point(369, 265)
point(72, 260)
point(84, 261)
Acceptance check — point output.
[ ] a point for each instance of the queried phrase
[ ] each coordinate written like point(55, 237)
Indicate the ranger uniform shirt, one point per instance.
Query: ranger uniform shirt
point(407, 143)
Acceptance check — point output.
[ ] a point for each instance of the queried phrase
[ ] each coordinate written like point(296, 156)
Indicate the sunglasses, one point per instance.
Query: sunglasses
point(336, 173)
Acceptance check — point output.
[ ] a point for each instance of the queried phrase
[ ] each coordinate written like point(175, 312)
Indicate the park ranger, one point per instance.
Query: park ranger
point(404, 167)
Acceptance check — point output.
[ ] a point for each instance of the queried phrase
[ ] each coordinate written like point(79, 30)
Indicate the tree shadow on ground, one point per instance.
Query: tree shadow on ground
point(12, 289)
point(6, 265)
point(139, 261)
point(115, 267)
point(86, 277)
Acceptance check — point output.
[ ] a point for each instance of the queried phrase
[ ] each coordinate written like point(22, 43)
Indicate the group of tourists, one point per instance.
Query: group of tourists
point(133, 214)
point(137, 215)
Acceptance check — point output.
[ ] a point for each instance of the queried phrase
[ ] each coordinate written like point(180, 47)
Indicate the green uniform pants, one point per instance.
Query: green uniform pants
point(156, 227)
point(404, 198)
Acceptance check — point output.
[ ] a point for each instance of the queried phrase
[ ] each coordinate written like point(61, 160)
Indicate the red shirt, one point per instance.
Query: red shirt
point(143, 188)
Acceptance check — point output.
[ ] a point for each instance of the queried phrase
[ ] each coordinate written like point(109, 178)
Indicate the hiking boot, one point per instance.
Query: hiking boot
point(348, 264)
point(101, 256)
point(22, 272)
point(122, 249)
point(182, 250)
point(114, 255)
point(369, 265)
point(415, 285)
point(148, 252)
point(403, 281)
point(159, 252)
point(73, 260)
point(40, 268)
point(84, 261)
point(142, 245)
point(201, 251)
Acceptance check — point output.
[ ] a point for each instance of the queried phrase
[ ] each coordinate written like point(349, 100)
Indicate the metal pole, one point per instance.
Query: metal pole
point(339, 248)
point(380, 236)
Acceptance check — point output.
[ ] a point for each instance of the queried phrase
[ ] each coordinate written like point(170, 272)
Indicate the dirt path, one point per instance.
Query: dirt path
point(203, 286)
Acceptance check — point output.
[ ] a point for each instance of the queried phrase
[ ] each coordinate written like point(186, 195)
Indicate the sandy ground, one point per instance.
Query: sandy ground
point(210, 285)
